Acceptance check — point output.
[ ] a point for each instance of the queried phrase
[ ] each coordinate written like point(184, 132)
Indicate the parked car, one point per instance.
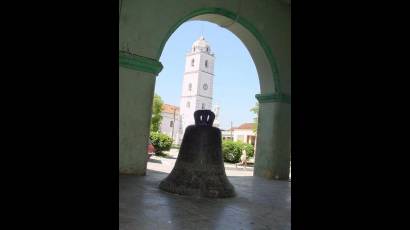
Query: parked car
point(151, 149)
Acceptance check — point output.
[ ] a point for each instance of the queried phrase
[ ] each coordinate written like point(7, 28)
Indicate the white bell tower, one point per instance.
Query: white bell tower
point(197, 85)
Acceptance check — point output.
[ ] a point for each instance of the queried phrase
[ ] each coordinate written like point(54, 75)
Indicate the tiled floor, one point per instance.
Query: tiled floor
point(259, 204)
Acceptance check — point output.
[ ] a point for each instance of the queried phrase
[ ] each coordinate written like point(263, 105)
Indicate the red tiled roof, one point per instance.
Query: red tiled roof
point(246, 126)
point(166, 108)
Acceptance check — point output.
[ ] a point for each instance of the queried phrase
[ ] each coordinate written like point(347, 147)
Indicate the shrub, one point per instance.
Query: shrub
point(161, 142)
point(232, 151)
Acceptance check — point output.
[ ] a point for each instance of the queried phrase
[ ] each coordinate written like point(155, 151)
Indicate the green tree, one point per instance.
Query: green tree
point(255, 110)
point(156, 113)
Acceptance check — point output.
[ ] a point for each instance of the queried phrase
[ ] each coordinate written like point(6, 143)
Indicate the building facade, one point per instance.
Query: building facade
point(171, 122)
point(244, 133)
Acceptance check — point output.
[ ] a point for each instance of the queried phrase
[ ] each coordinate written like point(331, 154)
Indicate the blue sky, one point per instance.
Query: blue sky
point(236, 80)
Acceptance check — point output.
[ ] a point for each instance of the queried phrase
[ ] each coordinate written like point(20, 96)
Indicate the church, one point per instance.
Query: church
point(197, 91)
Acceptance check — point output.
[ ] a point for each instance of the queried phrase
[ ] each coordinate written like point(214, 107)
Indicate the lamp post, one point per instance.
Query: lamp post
point(173, 125)
point(231, 132)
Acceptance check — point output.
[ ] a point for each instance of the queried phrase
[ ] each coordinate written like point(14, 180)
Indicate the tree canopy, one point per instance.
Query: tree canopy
point(255, 110)
point(156, 113)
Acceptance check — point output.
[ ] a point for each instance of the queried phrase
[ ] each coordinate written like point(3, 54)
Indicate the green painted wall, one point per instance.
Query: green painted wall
point(271, 18)
point(135, 102)
point(272, 158)
point(145, 26)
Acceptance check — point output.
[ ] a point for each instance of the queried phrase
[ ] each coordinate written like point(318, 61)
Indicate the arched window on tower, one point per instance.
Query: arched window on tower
point(188, 104)
point(206, 63)
point(192, 62)
point(203, 105)
point(190, 87)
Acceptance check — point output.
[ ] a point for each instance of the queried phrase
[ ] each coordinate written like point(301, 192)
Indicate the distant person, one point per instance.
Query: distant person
point(243, 159)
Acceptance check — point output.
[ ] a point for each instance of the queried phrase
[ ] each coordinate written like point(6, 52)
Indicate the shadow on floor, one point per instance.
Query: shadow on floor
point(259, 204)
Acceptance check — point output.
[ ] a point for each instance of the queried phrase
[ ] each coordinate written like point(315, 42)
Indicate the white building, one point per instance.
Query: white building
point(197, 84)
point(197, 91)
point(171, 122)
point(243, 133)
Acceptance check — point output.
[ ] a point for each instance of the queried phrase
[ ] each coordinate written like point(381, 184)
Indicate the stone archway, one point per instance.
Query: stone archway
point(273, 152)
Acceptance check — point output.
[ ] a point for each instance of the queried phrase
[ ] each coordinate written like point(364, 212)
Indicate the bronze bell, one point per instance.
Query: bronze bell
point(199, 168)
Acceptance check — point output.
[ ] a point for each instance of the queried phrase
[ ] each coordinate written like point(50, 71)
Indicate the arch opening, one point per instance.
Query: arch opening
point(264, 64)
point(266, 67)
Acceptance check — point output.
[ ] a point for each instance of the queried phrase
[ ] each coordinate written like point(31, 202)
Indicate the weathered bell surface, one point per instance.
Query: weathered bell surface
point(199, 168)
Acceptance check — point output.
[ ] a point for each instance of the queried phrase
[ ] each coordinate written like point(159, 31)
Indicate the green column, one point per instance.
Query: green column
point(272, 156)
point(136, 90)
